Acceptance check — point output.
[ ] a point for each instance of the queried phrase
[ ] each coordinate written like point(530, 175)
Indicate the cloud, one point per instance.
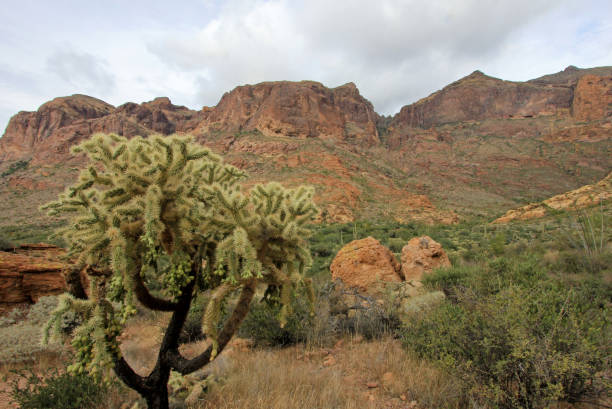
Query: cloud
point(396, 51)
point(81, 70)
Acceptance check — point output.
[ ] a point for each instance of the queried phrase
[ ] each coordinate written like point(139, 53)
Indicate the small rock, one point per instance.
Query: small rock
point(372, 385)
point(403, 397)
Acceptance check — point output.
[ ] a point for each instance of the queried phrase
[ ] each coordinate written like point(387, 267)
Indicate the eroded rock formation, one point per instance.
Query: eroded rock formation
point(366, 265)
point(593, 98)
point(297, 109)
point(29, 272)
point(478, 97)
point(421, 256)
point(45, 136)
point(585, 196)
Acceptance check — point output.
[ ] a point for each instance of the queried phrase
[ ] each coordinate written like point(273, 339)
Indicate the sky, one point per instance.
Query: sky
point(193, 51)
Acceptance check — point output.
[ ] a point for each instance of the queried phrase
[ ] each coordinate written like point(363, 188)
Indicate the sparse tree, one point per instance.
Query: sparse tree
point(156, 221)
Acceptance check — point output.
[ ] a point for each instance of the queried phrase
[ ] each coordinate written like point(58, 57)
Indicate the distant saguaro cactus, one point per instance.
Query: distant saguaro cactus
point(166, 213)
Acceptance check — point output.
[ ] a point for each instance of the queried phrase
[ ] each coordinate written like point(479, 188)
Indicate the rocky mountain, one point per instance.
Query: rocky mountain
point(479, 97)
point(304, 109)
point(45, 136)
point(478, 146)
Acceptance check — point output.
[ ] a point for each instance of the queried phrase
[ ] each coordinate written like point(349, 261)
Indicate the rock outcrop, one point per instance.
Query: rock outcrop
point(28, 131)
point(592, 98)
point(585, 196)
point(297, 109)
point(366, 265)
point(45, 136)
point(478, 97)
point(570, 75)
point(29, 272)
point(421, 256)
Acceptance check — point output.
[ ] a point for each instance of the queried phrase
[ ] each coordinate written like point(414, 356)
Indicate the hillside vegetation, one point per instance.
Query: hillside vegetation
point(525, 324)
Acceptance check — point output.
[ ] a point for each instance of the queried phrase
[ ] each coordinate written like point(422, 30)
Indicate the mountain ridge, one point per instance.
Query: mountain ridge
point(478, 145)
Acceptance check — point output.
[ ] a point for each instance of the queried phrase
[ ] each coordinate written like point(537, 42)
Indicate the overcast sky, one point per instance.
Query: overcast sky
point(396, 52)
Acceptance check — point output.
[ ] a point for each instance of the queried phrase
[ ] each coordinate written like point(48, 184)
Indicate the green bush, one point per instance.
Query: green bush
point(520, 347)
point(263, 327)
point(396, 244)
point(57, 391)
point(574, 261)
point(368, 317)
point(15, 167)
point(497, 244)
point(6, 245)
point(488, 277)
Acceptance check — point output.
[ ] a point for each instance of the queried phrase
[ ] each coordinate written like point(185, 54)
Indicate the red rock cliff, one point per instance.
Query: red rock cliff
point(478, 97)
point(29, 272)
point(297, 109)
point(593, 98)
point(47, 134)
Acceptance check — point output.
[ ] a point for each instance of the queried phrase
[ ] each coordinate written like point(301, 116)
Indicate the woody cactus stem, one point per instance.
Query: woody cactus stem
point(165, 213)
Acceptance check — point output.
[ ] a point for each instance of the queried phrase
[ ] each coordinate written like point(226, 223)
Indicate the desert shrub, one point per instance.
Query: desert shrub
point(351, 313)
point(338, 311)
point(262, 324)
point(574, 261)
point(497, 243)
point(396, 244)
point(520, 347)
point(15, 167)
point(583, 241)
point(6, 245)
point(446, 279)
point(57, 390)
point(374, 321)
point(487, 277)
point(20, 333)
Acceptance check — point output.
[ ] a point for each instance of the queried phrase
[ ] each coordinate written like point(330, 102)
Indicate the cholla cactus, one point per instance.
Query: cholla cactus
point(169, 212)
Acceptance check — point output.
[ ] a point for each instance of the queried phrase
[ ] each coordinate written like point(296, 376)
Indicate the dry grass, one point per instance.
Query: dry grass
point(351, 375)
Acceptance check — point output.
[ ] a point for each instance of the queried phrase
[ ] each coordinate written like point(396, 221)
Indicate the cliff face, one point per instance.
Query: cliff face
point(296, 109)
point(593, 98)
point(478, 145)
point(27, 131)
point(45, 136)
point(30, 272)
point(478, 97)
